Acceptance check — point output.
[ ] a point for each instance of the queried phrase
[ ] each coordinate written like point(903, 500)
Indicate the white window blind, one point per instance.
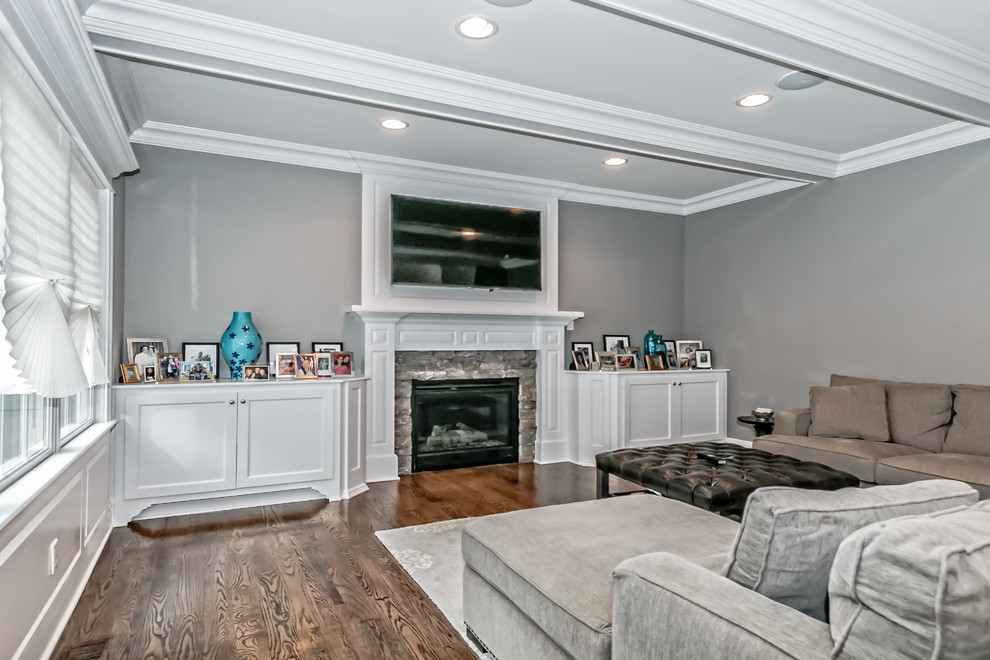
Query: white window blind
point(42, 280)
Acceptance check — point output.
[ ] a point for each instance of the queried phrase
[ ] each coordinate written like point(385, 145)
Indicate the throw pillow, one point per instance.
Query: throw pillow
point(789, 536)
point(970, 429)
point(850, 411)
point(915, 587)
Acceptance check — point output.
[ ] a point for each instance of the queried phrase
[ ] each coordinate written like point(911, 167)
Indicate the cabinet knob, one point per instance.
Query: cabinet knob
point(231, 402)
point(243, 400)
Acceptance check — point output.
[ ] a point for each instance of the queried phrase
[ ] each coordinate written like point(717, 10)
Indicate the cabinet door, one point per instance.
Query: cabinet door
point(701, 406)
point(178, 443)
point(648, 413)
point(286, 434)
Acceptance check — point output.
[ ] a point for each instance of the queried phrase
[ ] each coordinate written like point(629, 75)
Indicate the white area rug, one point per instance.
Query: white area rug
point(431, 554)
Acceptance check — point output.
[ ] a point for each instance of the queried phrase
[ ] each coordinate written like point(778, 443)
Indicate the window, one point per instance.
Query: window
point(54, 221)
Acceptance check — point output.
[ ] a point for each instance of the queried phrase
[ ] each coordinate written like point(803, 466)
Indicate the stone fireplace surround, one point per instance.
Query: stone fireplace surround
point(463, 365)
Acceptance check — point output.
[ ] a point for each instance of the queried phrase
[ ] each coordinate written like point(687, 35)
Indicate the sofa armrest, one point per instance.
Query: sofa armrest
point(795, 421)
point(665, 606)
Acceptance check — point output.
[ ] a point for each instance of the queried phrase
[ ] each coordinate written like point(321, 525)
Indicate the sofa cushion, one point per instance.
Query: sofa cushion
point(555, 563)
point(853, 455)
point(970, 430)
point(914, 587)
point(974, 470)
point(850, 411)
point(918, 414)
point(788, 537)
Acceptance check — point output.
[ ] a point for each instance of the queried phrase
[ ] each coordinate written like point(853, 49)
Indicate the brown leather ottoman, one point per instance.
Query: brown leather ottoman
point(678, 472)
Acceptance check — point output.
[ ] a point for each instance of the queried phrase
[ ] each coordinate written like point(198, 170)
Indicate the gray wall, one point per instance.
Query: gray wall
point(883, 273)
point(624, 269)
point(207, 235)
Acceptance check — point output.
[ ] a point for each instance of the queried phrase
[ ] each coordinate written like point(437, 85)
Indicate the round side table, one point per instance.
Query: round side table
point(762, 426)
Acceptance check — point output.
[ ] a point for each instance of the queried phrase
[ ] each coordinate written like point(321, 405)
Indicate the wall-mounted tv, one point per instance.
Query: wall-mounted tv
point(438, 242)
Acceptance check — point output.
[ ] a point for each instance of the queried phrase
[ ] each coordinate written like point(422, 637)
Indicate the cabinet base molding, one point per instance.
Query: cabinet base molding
point(211, 504)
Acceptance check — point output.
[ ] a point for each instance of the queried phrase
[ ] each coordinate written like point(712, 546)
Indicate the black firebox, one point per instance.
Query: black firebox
point(464, 423)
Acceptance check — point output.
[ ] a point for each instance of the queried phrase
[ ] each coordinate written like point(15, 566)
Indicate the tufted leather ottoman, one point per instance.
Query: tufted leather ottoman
point(678, 472)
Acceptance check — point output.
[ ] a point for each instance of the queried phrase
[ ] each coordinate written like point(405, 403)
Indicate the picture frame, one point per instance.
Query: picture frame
point(585, 347)
point(654, 362)
point(273, 348)
point(703, 358)
point(196, 370)
point(615, 343)
point(169, 366)
point(625, 362)
point(305, 366)
point(129, 373)
point(200, 351)
point(581, 361)
point(686, 349)
point(342, 363)
point(328, 346)
point(671, 353)
point(607, 360)
point(324, 364)
point(285, 365)
point(638, 352)
point(149, 373)
point(257, 372)
point(136, 346)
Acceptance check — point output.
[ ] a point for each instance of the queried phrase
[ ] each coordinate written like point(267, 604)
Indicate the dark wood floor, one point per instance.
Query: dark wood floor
point(299, 581)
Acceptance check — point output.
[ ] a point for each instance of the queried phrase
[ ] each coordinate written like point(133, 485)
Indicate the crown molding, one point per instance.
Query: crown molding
point(738, 193)
point(158, 32)
point(623, 199)
point(53, 35)
point(243, 146)
point(927, 142)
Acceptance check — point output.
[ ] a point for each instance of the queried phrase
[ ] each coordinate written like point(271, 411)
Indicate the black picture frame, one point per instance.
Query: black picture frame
point(328, 346)
point(611, 343)
point(273, 347)
point(703, 359)
point(191, 351)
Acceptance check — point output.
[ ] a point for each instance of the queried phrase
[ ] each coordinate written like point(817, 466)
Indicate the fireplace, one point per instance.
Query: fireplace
point(464, 423)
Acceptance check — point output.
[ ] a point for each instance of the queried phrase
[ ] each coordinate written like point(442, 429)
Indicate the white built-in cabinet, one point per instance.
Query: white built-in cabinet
point(185, 445)
point(615, 410)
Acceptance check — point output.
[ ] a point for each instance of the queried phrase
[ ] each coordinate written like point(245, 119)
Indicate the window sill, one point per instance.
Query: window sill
point(23, 492)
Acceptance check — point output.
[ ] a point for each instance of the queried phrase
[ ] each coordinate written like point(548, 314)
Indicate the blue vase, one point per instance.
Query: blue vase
point(240, 344)
point(653, 344)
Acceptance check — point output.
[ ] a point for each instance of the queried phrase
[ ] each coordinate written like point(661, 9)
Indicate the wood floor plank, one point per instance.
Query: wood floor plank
point(299, 581)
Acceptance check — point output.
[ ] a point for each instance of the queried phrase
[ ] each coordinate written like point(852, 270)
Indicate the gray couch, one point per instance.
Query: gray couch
point(644, 577)
point(888, 432)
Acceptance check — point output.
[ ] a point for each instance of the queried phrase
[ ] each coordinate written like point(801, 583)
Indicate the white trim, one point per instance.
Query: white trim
point(203, 41)
point(56, 41)
point(911, 146)
point(739, 193)
point(243, 146)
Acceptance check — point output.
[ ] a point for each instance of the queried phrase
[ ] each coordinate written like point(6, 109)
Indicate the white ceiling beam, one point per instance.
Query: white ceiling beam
point(845, 40)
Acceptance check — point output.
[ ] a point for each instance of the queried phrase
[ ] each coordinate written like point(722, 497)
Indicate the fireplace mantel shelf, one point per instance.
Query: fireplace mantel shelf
point(516, 315)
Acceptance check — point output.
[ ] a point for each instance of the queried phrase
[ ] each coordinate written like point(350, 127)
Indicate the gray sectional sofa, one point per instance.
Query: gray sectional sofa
point(888, 432)
point(645, 577)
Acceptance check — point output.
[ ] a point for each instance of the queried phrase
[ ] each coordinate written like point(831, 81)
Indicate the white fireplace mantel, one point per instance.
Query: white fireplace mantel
point(383, 331)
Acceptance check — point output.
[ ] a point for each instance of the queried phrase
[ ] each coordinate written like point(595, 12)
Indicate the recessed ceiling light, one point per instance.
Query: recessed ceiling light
point(507, 3)
point(615, 161)
point(754, 100)
point(467, 233)
point(394, 124)
point(476, 27)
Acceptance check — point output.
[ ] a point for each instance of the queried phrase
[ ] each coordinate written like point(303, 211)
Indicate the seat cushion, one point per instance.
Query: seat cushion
point(914, 587)
point(788, 537)
point(970, 430)
point(850, 411)
point(974, 470)
point(852, 455)
point(555, 563)
point(918, 414)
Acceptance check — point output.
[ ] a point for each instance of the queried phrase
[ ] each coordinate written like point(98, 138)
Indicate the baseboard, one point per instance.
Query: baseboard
point(382, 468)
point(553, 451)
point(211, 504)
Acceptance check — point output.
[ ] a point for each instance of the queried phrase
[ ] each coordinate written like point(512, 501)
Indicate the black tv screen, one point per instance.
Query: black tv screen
point(437, 242)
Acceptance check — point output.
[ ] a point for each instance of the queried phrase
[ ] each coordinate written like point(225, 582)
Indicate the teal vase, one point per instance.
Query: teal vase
point(241, 344)
point(653, 344)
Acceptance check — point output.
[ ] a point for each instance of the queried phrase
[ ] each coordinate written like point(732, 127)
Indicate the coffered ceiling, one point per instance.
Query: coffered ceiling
point(562, 85)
